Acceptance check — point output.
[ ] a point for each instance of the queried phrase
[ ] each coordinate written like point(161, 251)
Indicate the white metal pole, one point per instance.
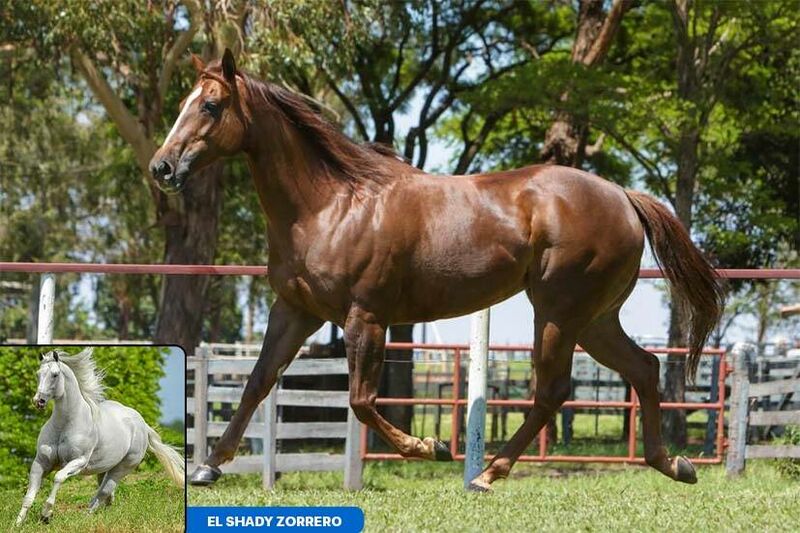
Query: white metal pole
point(47, 297)
point(476, 395)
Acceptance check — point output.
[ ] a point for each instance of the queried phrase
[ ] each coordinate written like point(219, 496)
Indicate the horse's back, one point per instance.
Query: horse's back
point(478, 239)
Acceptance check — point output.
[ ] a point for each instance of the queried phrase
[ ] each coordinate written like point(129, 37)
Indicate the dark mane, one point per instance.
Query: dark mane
point(349, 161)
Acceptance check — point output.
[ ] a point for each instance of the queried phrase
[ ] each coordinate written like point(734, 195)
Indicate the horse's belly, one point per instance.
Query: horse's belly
point(463, 284)
point(121, 436)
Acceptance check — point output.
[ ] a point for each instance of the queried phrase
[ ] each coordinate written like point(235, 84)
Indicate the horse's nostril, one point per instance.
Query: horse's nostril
point(164, 169)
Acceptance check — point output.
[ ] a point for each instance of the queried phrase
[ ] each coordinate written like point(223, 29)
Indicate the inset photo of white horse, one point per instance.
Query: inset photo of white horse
point(83, 423)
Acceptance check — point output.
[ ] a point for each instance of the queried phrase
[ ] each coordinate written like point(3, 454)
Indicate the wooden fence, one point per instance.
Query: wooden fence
point(209, 390)
point(743, 393)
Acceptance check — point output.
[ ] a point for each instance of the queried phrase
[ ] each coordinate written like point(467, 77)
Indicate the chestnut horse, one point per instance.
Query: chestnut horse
point(362, 239)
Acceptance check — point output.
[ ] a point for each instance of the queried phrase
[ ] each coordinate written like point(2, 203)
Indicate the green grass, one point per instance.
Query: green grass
point(417, 496)
point(144, 501)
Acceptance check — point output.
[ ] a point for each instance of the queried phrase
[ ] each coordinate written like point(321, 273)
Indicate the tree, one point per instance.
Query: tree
point(47, 157)
point(712, 42)
point(565, 140)
point(128, 56)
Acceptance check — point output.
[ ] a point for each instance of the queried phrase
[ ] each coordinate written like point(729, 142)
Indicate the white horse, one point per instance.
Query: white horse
point(87, 434)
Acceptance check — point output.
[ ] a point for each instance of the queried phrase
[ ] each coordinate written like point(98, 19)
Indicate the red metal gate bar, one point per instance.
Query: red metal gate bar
point(260, 270)
point(633, 406)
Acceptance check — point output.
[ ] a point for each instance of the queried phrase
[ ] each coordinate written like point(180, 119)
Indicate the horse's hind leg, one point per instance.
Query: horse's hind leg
point(105, 493)
point(606, 341)
point(364, 341)
point(552, 357)
point(94, 503)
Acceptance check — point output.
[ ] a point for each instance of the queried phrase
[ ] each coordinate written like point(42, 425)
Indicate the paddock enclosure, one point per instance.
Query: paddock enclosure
point(592, 424)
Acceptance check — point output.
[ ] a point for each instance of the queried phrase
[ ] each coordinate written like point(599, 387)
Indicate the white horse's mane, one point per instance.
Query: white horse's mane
point(90, 378)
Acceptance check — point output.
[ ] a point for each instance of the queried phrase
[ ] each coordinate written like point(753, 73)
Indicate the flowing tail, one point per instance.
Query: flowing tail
point(168, 456)
point(692, 278)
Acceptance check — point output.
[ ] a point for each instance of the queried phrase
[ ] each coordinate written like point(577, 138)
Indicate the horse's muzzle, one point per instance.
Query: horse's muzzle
point(169, 178)
point(39, 402)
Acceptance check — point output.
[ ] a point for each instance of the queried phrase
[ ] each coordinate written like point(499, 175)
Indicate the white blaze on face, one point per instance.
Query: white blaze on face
point(192, 97)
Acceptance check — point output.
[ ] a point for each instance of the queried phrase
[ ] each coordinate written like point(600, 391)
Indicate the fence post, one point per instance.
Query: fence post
point(476, 395)
point(200, 404)
point(47, 296)
point(353, 465)
point(270, 437)
point(737, 427)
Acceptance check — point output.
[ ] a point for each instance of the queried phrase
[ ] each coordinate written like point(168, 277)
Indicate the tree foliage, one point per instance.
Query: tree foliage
point(696, 102)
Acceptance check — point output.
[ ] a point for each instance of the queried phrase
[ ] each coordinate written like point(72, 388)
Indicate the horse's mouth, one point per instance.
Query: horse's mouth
point(173, 186)
point(40, 404)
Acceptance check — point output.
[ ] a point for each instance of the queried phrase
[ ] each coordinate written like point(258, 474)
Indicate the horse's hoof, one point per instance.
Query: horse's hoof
point(477, 486)
point(45, 519)
point(205, 475)
point(684, 470)
point(441, 452)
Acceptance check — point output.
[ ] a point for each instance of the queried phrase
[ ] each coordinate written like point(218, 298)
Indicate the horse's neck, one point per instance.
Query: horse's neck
point(71, 407)
point(292, 183)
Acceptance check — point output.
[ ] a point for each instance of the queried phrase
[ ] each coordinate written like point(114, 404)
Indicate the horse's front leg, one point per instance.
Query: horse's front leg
point(70, 469)
point(287, 329)
point(364, 340)
point(38, 471)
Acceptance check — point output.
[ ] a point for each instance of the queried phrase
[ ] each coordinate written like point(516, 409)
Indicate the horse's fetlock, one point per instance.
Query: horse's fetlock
point(656, 458)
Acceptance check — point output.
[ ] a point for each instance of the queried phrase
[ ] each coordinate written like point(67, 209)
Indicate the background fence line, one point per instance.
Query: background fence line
point(261, 270)
point(742, 417)
point(477, 395)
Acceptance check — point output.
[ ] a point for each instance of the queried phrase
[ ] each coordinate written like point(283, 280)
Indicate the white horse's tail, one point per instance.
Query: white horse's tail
point(168, 456)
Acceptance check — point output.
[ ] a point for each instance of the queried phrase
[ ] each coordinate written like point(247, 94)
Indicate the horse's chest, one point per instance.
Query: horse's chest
point(71, 446)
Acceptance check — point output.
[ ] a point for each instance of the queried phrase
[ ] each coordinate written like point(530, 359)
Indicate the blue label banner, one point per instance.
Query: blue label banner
point(285, 519)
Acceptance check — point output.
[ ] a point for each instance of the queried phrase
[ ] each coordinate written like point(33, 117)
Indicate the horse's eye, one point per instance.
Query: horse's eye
point(212, 108)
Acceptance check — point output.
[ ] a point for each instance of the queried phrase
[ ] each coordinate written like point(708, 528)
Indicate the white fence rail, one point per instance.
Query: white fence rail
point(269, 429)
point(741, 415)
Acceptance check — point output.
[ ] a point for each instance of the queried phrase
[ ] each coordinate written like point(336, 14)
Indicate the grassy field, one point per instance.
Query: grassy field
point(418, 496)
point(144, 502)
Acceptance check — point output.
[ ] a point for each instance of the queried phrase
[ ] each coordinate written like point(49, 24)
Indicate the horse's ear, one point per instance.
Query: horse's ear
point(41, 356)
point(198, 64)
point(229, 67)
point(55, 356)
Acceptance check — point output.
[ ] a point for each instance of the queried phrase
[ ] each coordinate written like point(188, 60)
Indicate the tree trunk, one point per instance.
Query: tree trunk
point(687, 164)
point(565, 140)
point(675, 387)
point(191, 238)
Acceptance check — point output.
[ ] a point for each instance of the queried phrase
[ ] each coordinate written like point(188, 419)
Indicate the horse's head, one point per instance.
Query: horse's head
point(51, 380)
point(210, 125)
